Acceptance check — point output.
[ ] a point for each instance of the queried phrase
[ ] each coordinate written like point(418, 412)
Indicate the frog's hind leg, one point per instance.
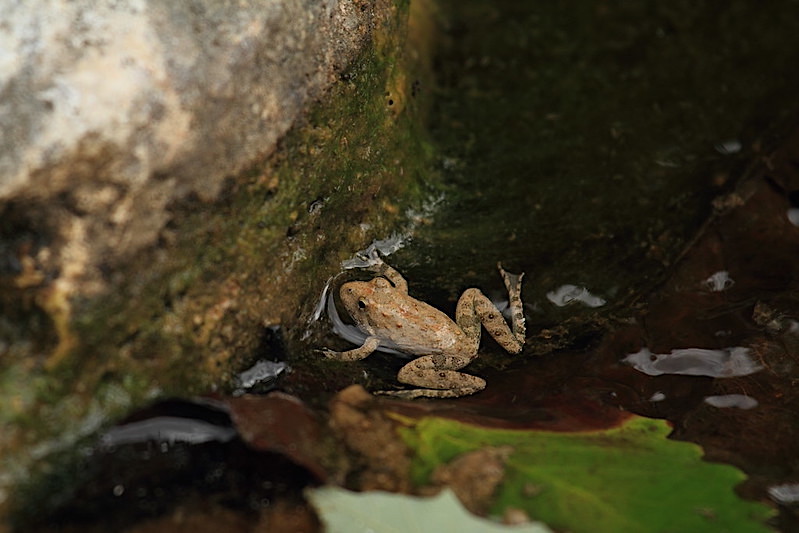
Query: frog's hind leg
point(439, 375)
point(513, 283)
point(474, 308)
point(381, 268)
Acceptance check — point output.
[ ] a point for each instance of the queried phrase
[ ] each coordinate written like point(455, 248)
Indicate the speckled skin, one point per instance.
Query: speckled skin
point(383, 310)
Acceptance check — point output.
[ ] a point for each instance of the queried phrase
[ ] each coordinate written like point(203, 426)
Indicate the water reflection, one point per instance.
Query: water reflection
point(168, 429)
point(785, 494)
point(657, 397)
point(720, 281)
point(729, 147)
point(726, 363)
point(741, 401)
point(568, 294)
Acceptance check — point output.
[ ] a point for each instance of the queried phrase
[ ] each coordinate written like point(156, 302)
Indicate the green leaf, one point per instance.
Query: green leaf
point(630, 478)
point(342, 511)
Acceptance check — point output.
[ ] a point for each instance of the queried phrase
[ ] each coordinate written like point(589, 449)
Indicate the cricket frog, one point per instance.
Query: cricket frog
point(384, 311)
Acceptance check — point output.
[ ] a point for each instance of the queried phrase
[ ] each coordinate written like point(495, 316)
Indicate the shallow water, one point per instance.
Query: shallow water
point(595, 147)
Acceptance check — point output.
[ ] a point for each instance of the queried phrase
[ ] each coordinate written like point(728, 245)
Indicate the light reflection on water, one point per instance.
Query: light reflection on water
point(729, 147)
point(168, 429)
point(719, 281)
point(726, 363)
point(569, 294)
point(657, 397)
point(741, 401)
point(785, 494)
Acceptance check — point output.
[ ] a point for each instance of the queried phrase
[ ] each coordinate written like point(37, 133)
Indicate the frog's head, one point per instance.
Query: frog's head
point(358, 297)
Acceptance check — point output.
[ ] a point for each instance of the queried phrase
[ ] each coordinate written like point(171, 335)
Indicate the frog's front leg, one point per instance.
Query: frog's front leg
point(356, 354)
point(439, 376)
point(475, 309)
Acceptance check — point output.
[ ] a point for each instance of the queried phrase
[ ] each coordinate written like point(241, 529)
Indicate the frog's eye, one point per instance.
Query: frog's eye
point(361, 304)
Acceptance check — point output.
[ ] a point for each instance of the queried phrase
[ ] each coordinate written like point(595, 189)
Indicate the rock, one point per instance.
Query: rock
point(152, 233)
point(113, 111)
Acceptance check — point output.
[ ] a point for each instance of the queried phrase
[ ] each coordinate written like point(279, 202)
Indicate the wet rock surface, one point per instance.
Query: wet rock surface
point(153, 238)
point(115, 112)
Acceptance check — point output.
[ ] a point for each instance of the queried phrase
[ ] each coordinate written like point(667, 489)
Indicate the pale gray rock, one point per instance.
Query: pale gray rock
point(112, 110)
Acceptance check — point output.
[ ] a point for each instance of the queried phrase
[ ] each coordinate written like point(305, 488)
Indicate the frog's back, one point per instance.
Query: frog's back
point(415, 327)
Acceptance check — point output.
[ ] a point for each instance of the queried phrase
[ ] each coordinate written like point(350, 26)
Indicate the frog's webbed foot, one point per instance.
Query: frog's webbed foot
point(513, 283)
point(329, 354)
point(381, 268)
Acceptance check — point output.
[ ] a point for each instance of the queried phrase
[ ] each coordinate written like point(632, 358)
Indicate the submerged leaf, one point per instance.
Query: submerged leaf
point(630, 478)
point(343, 511)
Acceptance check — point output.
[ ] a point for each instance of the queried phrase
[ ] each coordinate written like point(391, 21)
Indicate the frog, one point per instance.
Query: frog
point(389, 317)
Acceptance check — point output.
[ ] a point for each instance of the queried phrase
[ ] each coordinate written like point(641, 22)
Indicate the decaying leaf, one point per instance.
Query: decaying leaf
point(475, 476)
point(371, 436)
point(630, 478)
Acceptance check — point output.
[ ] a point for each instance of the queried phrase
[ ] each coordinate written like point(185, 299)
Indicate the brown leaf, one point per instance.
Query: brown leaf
point(281, 423)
